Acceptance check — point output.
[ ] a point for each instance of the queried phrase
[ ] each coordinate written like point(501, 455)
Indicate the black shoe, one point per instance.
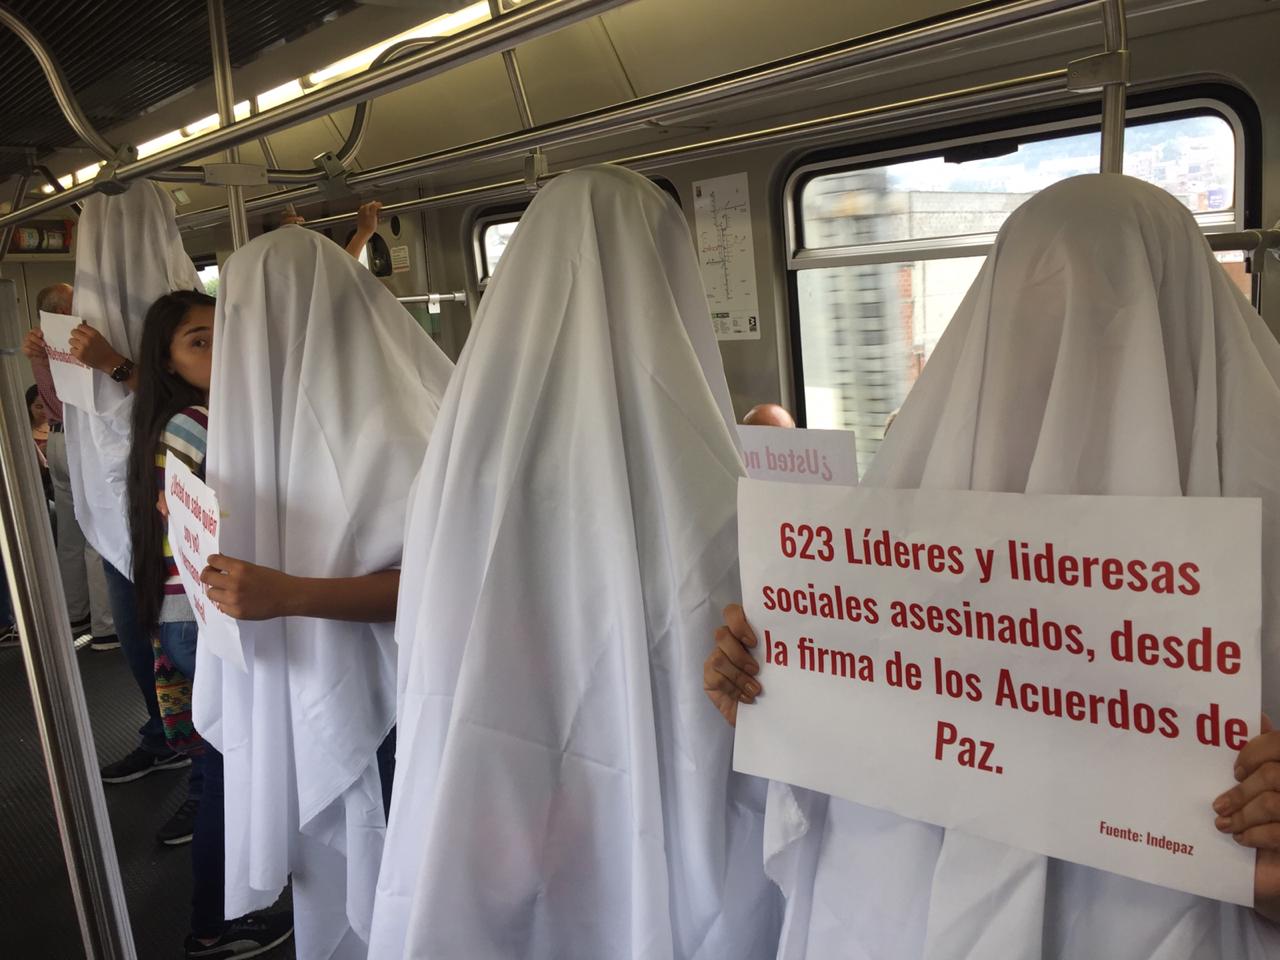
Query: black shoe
point(247, 937)
point(109, 642)
point(140, 763)
point(81, 626)
point(180, 826)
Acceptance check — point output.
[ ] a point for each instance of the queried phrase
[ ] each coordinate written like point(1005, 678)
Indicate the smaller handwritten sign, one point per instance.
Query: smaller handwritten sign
point(193, 537)
point(71, 378)
point(800, 456)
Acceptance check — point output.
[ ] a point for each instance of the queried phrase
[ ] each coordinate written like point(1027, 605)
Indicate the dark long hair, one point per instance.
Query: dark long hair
point(161, 394)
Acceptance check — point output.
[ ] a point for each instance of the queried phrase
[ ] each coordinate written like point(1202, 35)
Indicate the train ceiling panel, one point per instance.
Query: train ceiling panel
point(126, 56)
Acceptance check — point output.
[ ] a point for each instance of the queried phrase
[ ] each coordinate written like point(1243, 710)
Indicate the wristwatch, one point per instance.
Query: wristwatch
point(123, 371)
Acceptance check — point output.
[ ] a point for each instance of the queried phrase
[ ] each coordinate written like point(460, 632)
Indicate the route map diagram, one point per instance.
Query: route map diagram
point(726, 255)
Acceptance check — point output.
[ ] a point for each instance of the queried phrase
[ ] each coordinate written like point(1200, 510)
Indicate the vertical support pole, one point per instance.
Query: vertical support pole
point(269, 155)
point(62, 716)
point(226, 115)
point(6, 235)
point(1113, 93)
point(513, 75)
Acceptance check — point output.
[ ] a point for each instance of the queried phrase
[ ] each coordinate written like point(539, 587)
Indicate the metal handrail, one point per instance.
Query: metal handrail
point(1002, 92)
point(58, 84)
point(62, 716)
point(6, 234)
point(226, 97)
point(643, 111)
point(1114, 93)
point(526, 23)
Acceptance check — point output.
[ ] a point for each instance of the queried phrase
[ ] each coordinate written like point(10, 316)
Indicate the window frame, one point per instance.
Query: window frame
point(800, 257)
point(1227, 101)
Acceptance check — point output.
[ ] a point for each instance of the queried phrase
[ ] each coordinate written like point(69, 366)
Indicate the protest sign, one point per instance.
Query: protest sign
point(800, 456)
point(193, 537)
point(71, 378)
point(1069, 675)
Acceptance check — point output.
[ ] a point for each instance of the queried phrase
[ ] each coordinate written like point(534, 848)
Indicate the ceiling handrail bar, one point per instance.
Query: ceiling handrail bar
point(527, 23)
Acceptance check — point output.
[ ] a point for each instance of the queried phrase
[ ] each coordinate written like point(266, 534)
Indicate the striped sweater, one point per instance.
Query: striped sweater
point(185, 436)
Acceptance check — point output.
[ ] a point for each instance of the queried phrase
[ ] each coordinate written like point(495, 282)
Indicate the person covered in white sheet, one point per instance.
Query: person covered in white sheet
point(323, 393)
point(1101, 350)
point(562, 789)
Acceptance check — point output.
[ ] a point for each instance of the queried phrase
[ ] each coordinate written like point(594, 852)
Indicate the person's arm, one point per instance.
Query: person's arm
point(94, 350)
point(366, 226)
point(1250, 812)
point(33, 347)
point(247, 591)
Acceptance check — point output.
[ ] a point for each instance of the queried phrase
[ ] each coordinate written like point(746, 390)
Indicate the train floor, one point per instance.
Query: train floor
point(36, 913)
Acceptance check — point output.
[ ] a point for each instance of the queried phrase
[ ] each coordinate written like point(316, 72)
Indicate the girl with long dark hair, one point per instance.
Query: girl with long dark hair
point(170, 418)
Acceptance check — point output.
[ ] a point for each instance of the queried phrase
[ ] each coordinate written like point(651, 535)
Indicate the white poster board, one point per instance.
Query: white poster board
point(726, 254)
point(800, 456)
point(71, 378)
point(193, 538)
point(1069, 675)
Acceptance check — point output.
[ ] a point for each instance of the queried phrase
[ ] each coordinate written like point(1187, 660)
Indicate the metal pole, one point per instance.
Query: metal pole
point(62, 717)
point(772, 76)
point(6, 235)
point(435, 299)
point(1116, 31)
point(513, 74)
point(222, 86)
point(58, 84)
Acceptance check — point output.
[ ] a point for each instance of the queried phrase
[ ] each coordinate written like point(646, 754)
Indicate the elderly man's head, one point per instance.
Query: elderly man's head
point(768, 415)
point(55, 299)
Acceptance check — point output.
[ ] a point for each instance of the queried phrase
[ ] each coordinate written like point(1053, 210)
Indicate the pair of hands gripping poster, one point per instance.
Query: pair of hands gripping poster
point(1068, 675)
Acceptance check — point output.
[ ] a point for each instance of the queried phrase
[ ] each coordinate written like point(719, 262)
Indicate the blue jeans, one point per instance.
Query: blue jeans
point(178, 640)
point(139, 655)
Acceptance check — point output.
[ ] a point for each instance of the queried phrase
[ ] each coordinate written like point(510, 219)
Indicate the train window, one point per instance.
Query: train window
point(884, 247)
point(492, 236)
point(208, 274)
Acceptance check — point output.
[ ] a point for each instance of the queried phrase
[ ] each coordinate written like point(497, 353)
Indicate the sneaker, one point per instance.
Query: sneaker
point(9, 636)
point(247, 937)
point(109, 642)
point(81, 626)
point(140, 763)
point(82, 640)
point(181, 825)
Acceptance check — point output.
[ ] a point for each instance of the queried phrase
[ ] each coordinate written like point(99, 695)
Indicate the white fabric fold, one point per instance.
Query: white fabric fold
point(128, 255)
point(563, 786)
point(323, 397)
point(1101, 350)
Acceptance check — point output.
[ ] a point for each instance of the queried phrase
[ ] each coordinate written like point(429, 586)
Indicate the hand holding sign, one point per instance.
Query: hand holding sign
point(93, 349)
point(246, 591)
point(729, 674)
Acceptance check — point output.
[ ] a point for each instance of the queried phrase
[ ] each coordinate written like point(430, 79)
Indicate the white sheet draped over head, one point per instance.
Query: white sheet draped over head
point(128, 255)
point(1101, 350)
point(323, 396)
point(563, 788)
